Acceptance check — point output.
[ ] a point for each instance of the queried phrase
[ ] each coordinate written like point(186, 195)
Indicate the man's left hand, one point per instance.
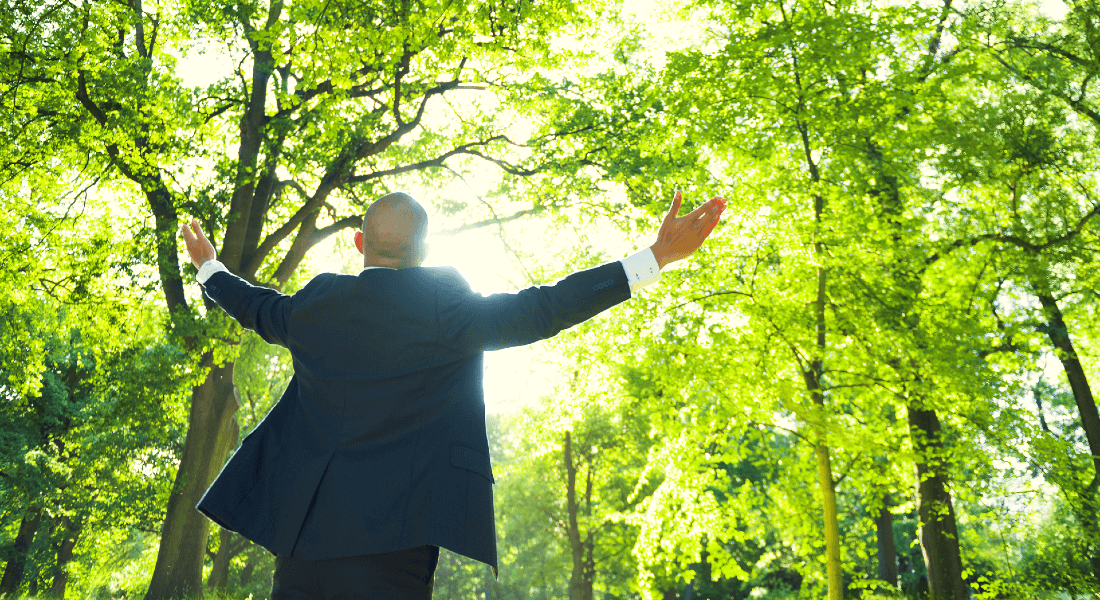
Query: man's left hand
point(200, 248)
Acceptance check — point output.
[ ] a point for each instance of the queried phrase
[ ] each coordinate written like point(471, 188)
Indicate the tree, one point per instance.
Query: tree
point(274, 158)
point(80, 455)
point(821, 116)
point(1036, 179)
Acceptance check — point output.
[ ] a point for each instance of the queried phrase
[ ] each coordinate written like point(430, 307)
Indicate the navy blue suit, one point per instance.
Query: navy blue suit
point(378, 443)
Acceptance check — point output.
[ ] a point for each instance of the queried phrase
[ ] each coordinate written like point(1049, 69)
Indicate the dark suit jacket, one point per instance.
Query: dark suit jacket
point(378, 443)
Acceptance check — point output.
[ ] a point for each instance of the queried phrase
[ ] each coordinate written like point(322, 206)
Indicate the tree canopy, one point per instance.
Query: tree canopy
point(875, 379)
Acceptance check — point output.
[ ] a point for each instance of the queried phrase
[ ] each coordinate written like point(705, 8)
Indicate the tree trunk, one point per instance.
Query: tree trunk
point(577, 588)
point(211, 433)
point(219, 573)
point(246, 573)
point(1058, 333)
point(832, 527)
point(64, 556)
point(814, 378)
point(887, 552)
point(249, 567)
point(17, 558)
point(939, 536)
point(1037, 394)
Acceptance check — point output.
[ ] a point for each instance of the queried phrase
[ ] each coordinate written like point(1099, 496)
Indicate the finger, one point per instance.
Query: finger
point(202, 236)
point(675, 208)
point(700, 212)
point(700, 216)
point(714, 220)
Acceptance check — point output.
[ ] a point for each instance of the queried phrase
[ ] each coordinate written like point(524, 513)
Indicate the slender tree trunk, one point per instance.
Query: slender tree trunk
point(814, 380)
point(588, 583)
point(1037, 394)
point(249, 568)
point(219, 573)
point(939, 536)
point(17, 559)
point(1058, 333)
point(577, 588)
point(832, 528)
point(1082, 393)
point(887, 552)
point(64, 556)
point(704, 573)
point(211, 433)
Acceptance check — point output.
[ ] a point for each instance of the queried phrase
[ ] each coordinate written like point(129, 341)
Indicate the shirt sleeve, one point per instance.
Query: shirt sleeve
point(208, 268)
point(641, 269)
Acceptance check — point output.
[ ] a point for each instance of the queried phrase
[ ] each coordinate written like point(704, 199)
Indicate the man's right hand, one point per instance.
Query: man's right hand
point(198, 247)
point(679, 237)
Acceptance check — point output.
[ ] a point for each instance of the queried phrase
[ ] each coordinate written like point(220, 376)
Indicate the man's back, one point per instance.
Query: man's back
point(378, 444)
point(379, 441)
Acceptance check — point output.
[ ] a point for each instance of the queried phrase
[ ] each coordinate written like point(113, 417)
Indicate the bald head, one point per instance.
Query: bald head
point(393, 232)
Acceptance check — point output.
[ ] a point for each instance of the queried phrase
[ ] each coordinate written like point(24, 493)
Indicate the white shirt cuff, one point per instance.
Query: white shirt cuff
point(641, 269)
point(208, 268)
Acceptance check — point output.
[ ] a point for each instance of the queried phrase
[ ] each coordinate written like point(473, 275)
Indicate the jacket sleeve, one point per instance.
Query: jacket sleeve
point(263, 310)
point(471, 323)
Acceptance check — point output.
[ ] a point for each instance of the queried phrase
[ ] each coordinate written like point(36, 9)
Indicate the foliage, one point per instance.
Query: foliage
point(909, 181)
point(97, 442)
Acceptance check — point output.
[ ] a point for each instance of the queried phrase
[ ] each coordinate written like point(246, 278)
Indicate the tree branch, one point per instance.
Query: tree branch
point(341, 224)
point(493, 221)
point(712, 295)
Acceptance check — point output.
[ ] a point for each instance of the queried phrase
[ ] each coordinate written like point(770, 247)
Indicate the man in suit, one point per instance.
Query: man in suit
point(376, 455)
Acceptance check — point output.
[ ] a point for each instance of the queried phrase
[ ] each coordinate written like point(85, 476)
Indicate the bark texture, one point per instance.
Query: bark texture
point(938, 533)
point(211, 432)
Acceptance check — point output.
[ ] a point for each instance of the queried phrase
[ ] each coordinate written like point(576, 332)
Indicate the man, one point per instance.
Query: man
point(376, 455)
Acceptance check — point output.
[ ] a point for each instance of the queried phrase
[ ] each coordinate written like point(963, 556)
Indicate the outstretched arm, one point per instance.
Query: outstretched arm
point(473, 323)
point(263, 310)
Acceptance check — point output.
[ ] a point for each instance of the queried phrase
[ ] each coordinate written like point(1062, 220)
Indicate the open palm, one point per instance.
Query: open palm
point(679, 237)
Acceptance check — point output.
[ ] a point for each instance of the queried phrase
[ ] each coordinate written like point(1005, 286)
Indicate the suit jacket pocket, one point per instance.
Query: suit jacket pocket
point(472, 459)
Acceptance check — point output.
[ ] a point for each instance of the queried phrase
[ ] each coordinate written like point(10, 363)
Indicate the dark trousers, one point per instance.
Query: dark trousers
point(402, 575)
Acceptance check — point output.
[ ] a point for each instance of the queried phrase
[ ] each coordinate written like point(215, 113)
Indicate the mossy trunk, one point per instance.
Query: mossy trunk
point(211, 433)
point(832, 527)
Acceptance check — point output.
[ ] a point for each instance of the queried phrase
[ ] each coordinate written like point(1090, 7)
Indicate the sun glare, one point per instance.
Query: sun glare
point(488, 256)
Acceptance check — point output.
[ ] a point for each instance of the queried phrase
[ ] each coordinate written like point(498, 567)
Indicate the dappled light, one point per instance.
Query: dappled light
point(856, 358)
